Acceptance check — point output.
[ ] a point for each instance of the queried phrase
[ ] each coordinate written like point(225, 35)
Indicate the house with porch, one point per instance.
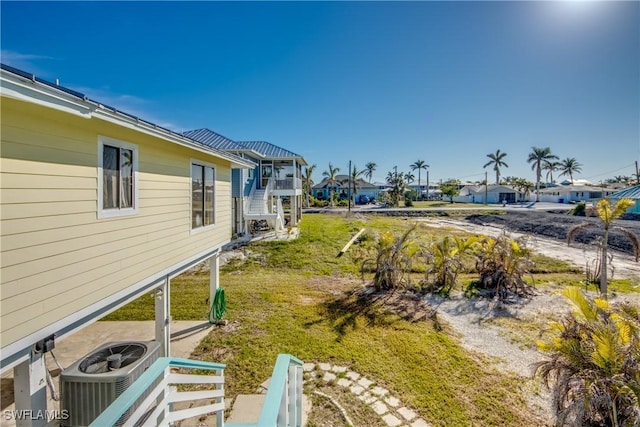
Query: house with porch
point(271, 191)
point(99, 207)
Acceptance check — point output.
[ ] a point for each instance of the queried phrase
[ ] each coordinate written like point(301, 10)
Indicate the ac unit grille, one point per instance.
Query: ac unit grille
point(86, 395)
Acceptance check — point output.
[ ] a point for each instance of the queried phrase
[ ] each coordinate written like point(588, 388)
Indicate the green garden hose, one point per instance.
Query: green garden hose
point(218, 307)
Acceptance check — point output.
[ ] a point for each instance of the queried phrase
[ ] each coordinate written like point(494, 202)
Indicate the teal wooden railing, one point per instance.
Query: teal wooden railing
point(158, 384)
point(283, 402)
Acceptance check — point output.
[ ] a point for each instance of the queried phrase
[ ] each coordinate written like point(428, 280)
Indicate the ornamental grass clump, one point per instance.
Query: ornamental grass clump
point(594, 363)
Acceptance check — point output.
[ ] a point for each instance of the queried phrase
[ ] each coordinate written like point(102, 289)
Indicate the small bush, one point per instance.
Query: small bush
point(579, 210)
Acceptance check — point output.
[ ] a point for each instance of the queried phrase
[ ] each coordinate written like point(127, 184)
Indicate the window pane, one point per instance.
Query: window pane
point(197, 216)
point(208, 196)
point(109, 177)
point(126, 178)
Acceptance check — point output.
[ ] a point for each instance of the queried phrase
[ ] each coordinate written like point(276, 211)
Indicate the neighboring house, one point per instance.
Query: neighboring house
point(271, 191)
point(322, 190)
point(632, 193)
point(573, 193)
point(98, 207)
point(492, 193)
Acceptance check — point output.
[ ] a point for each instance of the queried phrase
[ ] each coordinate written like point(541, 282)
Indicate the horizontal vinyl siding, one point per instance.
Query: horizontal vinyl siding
point(57, 257)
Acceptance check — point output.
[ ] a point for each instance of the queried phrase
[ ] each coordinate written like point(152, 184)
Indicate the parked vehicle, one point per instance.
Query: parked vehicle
point(363, 199)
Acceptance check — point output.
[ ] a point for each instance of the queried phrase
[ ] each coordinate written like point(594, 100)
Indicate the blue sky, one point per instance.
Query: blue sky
point(383, 82)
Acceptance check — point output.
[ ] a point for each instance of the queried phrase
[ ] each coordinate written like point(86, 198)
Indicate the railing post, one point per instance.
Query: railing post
point(299, 382)
point(220, 414)
point(292, 395)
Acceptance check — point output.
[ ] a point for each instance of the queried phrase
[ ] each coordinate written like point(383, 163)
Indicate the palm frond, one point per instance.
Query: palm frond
point(575, 230)
point(635, 240)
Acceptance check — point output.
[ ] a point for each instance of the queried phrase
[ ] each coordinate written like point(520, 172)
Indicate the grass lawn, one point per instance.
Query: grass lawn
point(283, 299)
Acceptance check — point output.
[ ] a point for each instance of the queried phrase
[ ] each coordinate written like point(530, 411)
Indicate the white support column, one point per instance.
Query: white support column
point(163, 318)
point(294, 210)
point(214, 276)
point(30, 392)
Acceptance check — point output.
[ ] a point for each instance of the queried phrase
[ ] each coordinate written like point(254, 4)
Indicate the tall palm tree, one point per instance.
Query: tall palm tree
point(569, 166)
point(419, 164)
point(550, 167)
point(331, 174)
point(307, 181)
point(497, 162)
point(369, 168)
point(607, 215)
point(537, 158)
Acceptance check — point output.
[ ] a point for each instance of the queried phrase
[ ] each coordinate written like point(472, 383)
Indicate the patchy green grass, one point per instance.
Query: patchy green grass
point(284, 301)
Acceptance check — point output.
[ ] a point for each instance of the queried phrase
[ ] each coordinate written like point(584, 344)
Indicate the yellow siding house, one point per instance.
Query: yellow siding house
point(97, 208)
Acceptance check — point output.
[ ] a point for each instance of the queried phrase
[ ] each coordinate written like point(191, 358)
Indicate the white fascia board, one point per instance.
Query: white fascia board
point(148, 128)
point(22, 89)
point(27, 90)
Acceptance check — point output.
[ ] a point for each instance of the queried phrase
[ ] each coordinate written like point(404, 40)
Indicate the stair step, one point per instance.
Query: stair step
point(246, 409)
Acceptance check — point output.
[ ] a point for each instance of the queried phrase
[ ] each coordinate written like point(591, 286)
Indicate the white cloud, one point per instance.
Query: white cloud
point(24, 61)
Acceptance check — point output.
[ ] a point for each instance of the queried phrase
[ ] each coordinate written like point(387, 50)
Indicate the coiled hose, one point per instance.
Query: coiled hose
point(218, 307)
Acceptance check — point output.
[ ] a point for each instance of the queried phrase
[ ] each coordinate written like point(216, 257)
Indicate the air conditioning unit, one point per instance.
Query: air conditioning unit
point(92, 383)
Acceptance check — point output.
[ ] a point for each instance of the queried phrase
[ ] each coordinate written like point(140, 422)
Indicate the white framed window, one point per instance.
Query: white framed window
point(203, 178)
point(117, 178)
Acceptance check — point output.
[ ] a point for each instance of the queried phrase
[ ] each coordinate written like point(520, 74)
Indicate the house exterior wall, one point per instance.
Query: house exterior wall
point(58, 257)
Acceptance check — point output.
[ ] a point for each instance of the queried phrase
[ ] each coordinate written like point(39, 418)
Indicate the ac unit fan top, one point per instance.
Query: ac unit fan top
point(108, 359)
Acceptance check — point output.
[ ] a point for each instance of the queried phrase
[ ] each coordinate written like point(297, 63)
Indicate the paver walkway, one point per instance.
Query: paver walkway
point(380, 400)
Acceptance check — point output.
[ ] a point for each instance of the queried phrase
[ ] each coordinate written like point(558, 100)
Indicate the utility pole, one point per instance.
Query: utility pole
point(637, 174)
point(349, 190)
point(486, 188)
point(427, 183)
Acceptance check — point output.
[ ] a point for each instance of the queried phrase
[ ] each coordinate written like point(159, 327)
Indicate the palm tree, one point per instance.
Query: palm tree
point(550, 167)
point(355, 175)
point(497, 162)
point(607, 215)
point(307, 182)
point(594, 358)
point(569, 166)
point(331, 175)
point(369, 168)
point(419, 164)
point(537, 158)
point(398, 186)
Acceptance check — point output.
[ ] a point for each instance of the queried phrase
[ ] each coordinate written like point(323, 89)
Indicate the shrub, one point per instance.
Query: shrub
point(393, 259)
point(502, 263)
point(579, 210)
point(445, 260)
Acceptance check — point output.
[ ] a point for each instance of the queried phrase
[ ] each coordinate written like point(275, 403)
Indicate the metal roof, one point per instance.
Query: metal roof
point(212, 139)
point(267, 149)
point(632, 193)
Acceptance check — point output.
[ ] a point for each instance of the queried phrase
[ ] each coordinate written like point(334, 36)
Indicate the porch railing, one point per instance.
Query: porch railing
point(159, 381)
point(283, 402)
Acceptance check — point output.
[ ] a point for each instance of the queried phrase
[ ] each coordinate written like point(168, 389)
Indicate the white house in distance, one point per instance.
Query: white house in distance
point(98, 207)
point(574, 193)
point(492, 193)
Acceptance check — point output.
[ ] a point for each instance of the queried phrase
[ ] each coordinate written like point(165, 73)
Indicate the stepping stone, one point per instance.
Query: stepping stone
point(407, 413)
point(353, 375)
point(364, 382)
point(328, 376)
point(367, 398)
point(391, 420)
point(324, 366)
point(391, 401)
point(343, 382)
point(357, 389)
point(379, 407)
point(420, 423)
point(379, 391)
point(308, 367)
point(339, 369)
